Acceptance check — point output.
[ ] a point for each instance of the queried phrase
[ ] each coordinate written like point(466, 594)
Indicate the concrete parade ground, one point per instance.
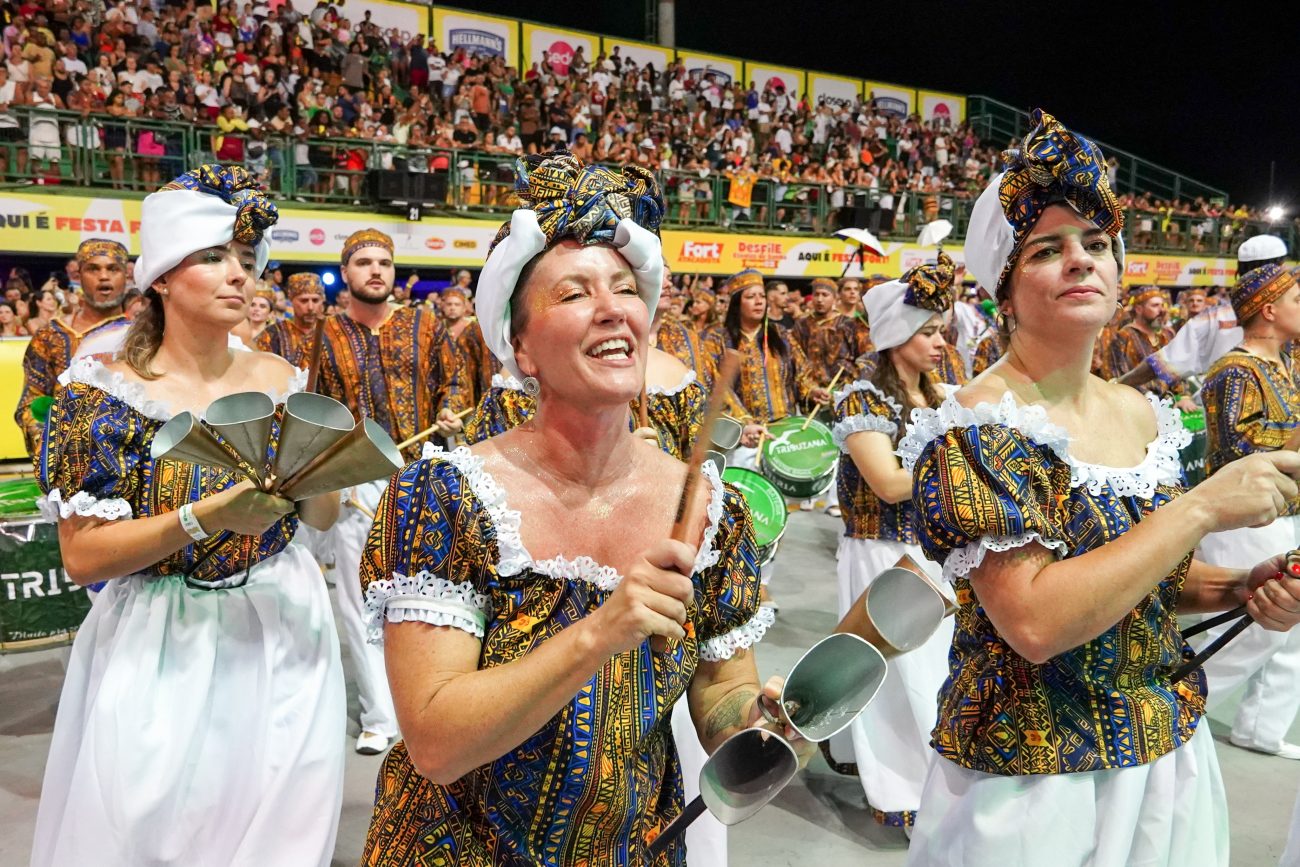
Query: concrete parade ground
point(820, 819)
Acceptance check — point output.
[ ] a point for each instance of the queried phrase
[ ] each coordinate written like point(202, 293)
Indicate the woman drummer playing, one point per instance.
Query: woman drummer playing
point(1052, 499)
point(891, 740)
point(512, 587)
point(203, 712)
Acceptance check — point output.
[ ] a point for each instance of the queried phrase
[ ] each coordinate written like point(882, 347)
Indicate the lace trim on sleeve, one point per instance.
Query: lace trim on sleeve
point(961, 561)
point(53, 507)
point(507, 382)
point(425, 598)
point(1161, 466)
point(929, 424)
point(708, 555)
point(675, 389)
point(846, 427)
point(89, 370)
point(513, 558)
point(297, 383)
point(742, 637)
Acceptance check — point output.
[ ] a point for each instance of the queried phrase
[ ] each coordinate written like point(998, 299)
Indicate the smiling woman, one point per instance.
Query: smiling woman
point(534, 712)
point(1053, 499)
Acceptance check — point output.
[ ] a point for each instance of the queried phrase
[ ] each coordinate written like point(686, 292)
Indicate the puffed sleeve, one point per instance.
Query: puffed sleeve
point(428, 554)
point(1237, 416)
point(89, 459)
point(860, 408)
point(988, 487)
point(729, 617)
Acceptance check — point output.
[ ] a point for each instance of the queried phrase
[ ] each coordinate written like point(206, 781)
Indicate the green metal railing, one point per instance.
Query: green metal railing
point(99, 152)
point(999, 123)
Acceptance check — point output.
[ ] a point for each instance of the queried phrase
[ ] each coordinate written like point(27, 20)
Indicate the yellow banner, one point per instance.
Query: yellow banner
point(12, 446)
point(724, 70)
point(933, 105)
point(553, 49)
point(834, 89)
point(890, 98)
point(642, 52)
point(763, 74)
point(477, 34)
point(55, 225)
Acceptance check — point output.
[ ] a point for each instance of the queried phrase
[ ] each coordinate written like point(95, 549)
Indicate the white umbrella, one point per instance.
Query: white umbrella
point(864, 238)
point(932, 234)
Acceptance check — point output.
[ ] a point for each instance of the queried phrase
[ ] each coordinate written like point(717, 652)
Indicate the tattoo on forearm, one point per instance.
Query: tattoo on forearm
point(729, 712)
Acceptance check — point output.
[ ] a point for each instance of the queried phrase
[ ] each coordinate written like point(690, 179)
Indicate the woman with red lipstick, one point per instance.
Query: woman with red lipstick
point(1052, 498)
point(516, 585)
point(890, 741)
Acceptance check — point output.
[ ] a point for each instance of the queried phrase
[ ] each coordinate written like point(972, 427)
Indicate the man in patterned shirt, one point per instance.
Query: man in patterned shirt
point(103, 286)
point(291, 338)
point(395, 365)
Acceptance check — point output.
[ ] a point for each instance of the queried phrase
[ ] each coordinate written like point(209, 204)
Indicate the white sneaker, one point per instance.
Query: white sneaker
point(833, 511)
point(371, 743)
point(1284, 750)
point(807, 506)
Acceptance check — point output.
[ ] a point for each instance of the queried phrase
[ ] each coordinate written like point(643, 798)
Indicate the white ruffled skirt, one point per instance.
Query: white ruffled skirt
point(199, 727)
point(1169, 813)
point(891, 739)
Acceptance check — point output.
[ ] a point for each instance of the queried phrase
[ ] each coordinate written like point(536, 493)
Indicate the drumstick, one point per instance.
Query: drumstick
point(313, 366)
point(360, 508)
point(1292, 566)
point(817, 407)
point(424, 433)
point(1293, 441)
point(713, 411)
point(644, 408)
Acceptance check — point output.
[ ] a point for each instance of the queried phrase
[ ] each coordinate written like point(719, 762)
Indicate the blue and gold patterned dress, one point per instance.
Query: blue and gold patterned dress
point(1095, 742)
point(890, 741)
point(601, 778)
point(204, 697)
point(1252, 405)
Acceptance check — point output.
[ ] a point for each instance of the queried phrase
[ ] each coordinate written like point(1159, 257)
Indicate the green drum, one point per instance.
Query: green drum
point(1192, 456)
point(39, 606)
point(766, 505)
point(800, 457)
point(18, 497)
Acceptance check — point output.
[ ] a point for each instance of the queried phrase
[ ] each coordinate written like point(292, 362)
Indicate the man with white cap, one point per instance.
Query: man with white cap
point(1207, 336)
point(395, 365)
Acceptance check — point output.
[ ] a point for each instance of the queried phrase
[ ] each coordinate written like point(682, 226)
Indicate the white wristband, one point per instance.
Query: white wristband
point(190, 524)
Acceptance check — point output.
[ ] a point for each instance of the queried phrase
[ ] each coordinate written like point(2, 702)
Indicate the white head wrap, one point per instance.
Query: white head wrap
point(497, 282)
point(1260, 248)
point(990, 239)
point(176, 223)
point(892, 322)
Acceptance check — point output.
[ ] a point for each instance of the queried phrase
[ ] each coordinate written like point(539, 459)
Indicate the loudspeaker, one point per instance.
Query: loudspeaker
point(386, 186)
point(424, 188)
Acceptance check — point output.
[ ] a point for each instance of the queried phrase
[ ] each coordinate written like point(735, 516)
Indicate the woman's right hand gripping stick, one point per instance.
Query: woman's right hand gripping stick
point(1249, 492)
point(650, 601)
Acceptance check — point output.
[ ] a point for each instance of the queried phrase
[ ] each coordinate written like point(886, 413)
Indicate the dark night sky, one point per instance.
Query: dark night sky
point(1205, 95)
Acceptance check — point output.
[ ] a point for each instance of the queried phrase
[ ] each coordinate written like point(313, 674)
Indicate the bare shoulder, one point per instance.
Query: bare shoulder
point(988, 387)
point(266, 369)
point(1127, 406)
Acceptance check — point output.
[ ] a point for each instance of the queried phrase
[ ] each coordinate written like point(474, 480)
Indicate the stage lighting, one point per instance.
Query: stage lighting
point(327, 277)
point(1275, 213)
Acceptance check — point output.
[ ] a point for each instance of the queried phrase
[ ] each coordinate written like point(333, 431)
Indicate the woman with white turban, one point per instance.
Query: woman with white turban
point(1053, 500)
point(202, 715)
point(516, 585)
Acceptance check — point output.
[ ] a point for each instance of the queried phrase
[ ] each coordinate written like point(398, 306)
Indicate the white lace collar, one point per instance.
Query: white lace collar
point(1159, 466)
point(864, 385)
point(514, 557)
point(89, 370)
point(668, 391)
point(507, 382)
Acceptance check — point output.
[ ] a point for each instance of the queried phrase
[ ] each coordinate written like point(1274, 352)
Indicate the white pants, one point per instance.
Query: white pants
point(706, 839)
point(1267, 662)
point(1170, 813)
point(891, 739)
point(377, 714)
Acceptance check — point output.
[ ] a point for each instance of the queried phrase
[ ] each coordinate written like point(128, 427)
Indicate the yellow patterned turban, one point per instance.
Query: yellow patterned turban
point(1256, 288)
point(366, 238)
point(92, 247)
point(303, 283)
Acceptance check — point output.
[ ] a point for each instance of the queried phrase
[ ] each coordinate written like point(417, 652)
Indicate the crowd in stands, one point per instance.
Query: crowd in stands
point(271, 85)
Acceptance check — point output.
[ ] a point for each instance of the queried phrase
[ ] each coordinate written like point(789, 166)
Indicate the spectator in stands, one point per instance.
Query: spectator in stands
point(12, 143)
point(9, 324)
point(43, 126)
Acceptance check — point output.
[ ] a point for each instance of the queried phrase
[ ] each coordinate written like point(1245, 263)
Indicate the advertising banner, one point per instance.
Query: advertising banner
point(763, 75)
point(553, 49)
point(724, 70)
point(478, 34)
point(642, 52)
point(890, 98)
point(941, 106)
point(55, 225)
point(833, 89)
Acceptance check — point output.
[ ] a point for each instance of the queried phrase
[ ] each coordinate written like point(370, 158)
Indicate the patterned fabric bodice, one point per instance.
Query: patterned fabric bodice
point(601, 778)
point(998, 477)
point(863, 407)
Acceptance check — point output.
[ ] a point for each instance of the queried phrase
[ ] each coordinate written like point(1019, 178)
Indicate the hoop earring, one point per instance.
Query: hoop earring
point(531, 386)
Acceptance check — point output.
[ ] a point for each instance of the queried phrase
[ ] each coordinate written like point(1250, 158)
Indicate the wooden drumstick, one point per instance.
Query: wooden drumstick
point(644, 408)
point(713, 411)
point(317, 344)
point(427, 431)
point(817, 407)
